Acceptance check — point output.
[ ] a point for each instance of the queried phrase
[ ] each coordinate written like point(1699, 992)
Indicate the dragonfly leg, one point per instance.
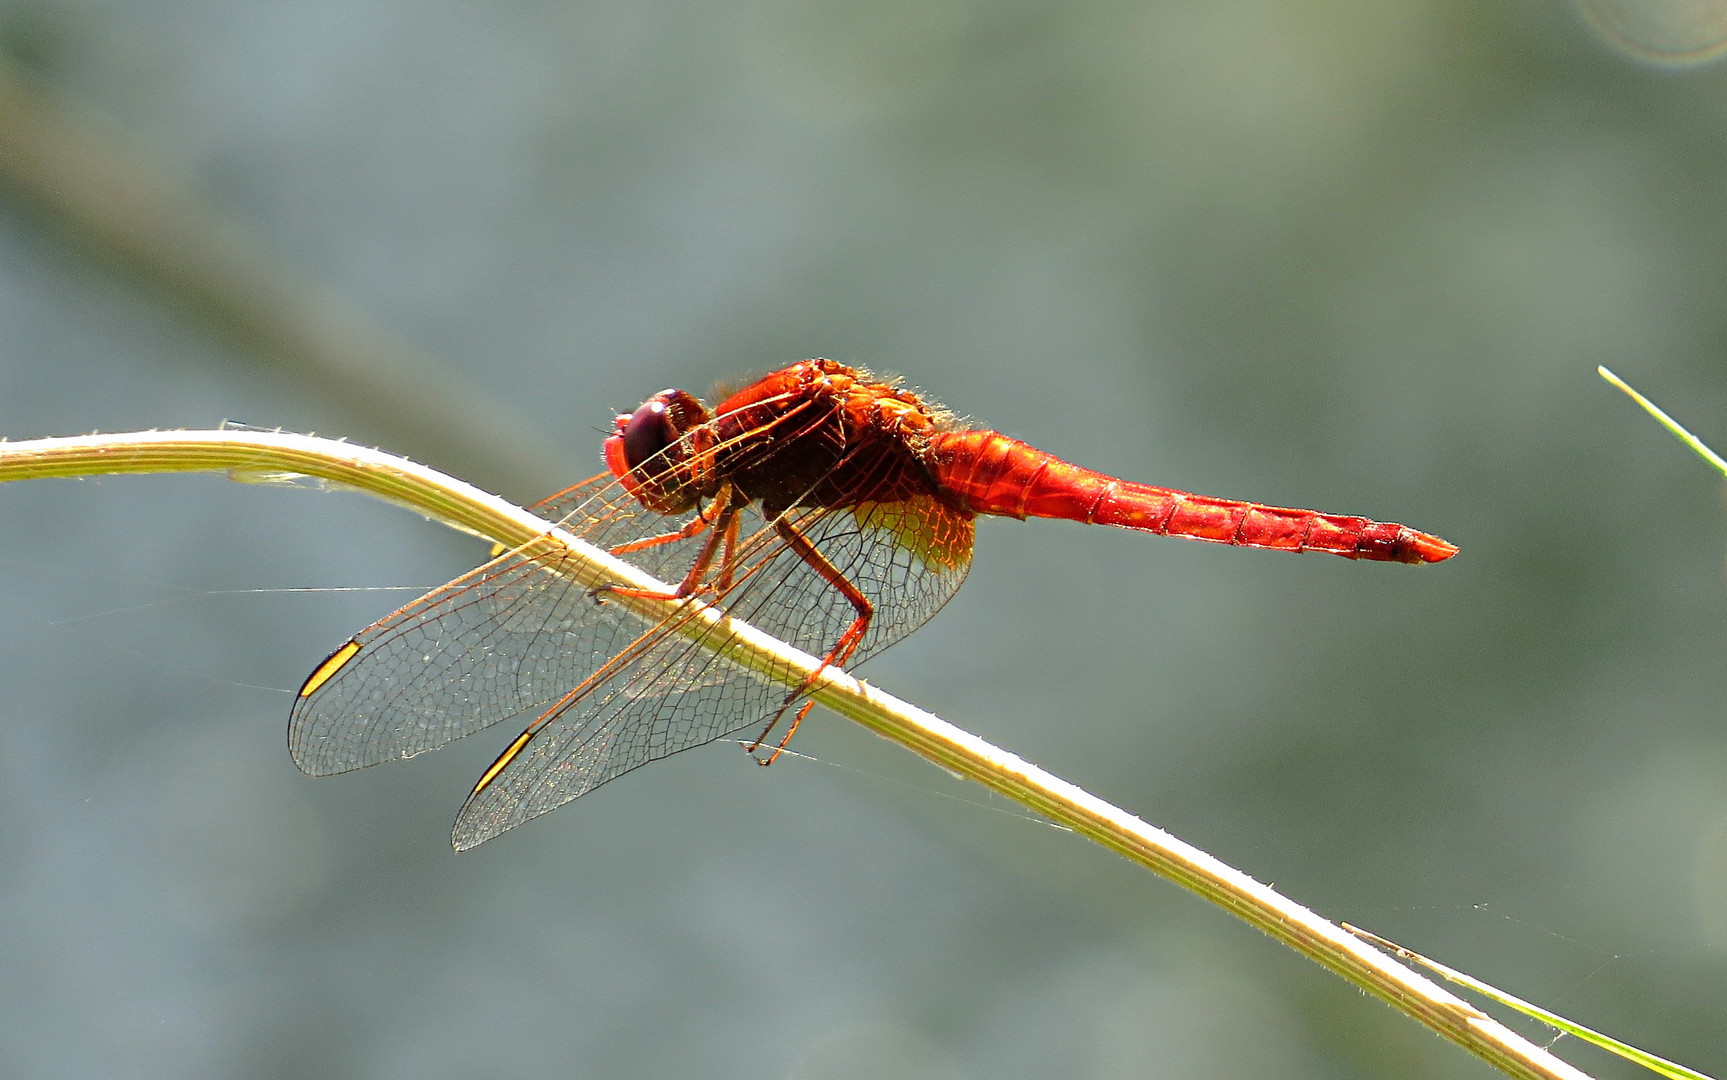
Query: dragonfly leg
point(836, 656)
point(728, 556)
point(791, 729)
point(695, 526)
point(724, 530)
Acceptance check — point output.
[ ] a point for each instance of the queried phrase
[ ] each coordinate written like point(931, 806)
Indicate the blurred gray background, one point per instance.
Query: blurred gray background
point(1354, 254)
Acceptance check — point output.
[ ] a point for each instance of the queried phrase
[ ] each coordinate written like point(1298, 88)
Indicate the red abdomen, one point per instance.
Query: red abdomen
point(988, 473)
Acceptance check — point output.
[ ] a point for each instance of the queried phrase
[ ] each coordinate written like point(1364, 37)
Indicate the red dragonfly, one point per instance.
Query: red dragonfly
point(830, 510)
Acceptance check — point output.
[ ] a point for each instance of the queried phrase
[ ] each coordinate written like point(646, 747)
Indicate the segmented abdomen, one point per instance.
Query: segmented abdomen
point(988, 473)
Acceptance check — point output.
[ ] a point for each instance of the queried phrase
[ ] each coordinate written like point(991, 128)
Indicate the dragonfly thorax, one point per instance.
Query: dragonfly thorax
point(819, 434)
point(815, 434)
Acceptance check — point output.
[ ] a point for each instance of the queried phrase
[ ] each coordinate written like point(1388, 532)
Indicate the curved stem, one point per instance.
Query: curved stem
point(259, 454)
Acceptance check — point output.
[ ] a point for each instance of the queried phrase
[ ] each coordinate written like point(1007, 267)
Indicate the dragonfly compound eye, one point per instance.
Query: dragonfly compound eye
point(646, 452)
point(646, 434)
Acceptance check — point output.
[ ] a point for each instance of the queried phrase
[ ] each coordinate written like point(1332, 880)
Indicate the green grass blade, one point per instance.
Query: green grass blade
point(1667, 422)
point(1653, 1063)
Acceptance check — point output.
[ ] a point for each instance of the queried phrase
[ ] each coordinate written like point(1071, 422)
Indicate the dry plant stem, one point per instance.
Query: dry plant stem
point(465, 507)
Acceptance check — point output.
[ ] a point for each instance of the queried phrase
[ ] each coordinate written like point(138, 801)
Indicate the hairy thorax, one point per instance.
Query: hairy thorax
point(838, 438)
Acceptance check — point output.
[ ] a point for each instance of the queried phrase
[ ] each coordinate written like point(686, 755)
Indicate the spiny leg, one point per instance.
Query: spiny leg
point(724, 531)
point(691, 528)
point(696, 525)
point(728, 555)
point(836, 656)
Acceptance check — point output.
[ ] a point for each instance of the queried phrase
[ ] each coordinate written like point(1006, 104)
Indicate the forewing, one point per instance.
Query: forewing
point(676, 693)
point(580, 507)
point(507, 639)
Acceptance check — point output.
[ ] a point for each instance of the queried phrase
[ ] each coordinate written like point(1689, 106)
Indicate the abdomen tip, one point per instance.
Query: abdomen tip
point(1418, 547)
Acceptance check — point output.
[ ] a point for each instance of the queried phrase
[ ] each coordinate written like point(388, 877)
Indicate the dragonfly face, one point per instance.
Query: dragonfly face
point(657, 452)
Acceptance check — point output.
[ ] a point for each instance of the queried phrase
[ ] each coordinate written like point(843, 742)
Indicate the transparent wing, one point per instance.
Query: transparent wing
point(906, 557)
point(678, 693)
point(507, 639)
point(520, 638)
point(675, 695)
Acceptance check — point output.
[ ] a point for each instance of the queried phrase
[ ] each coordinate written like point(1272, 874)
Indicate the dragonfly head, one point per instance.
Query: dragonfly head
point(654, 454)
